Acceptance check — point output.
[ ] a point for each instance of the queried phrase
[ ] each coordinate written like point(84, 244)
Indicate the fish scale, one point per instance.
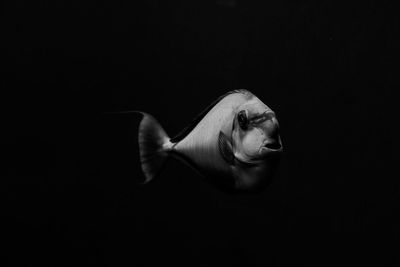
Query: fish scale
point(201, 144)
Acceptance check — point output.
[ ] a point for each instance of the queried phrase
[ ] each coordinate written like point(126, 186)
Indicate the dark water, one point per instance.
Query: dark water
point(70, 173)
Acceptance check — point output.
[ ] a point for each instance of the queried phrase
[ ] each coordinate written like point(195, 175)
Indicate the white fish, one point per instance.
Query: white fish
point(234, 143)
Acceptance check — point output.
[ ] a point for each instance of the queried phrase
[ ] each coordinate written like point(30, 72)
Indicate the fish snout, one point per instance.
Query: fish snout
point(273, 141)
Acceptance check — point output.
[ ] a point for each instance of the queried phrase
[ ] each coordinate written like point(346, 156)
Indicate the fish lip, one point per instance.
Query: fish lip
point(265, 150)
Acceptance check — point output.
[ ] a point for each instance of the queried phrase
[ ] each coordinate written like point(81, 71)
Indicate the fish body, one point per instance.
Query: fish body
point(234, 143)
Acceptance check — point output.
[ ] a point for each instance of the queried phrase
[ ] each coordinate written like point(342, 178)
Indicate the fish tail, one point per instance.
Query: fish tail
point(154, 146)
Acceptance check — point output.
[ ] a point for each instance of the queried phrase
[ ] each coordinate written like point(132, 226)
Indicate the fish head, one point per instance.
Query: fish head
point(256, 143)
point(255, 132)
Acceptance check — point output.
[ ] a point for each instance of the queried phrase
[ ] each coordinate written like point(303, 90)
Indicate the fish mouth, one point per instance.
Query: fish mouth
point(271, 146)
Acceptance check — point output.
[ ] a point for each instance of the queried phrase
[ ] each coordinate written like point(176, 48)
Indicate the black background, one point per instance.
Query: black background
point(69, 186)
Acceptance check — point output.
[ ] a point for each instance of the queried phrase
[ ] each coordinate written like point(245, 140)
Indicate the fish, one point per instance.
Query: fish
point(234, 143)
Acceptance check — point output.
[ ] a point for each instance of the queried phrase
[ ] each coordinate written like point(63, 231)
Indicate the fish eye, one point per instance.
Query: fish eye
point(242, 119)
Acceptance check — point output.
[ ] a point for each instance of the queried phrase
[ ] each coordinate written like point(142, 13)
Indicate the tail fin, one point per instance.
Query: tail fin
point(152, 141)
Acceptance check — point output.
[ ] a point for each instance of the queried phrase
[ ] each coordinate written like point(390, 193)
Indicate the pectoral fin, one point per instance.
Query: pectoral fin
point(225, 148)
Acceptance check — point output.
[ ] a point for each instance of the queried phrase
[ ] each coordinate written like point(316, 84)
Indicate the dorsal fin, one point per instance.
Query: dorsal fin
point(199, 117)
